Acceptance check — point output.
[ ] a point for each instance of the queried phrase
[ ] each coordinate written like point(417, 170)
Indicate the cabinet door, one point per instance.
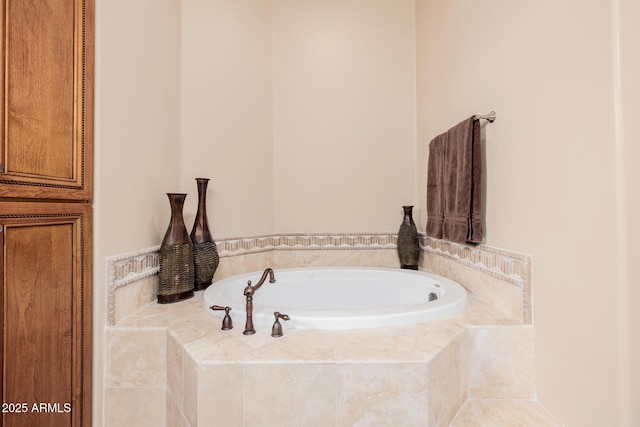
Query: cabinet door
point(45, 275)
point(47, 99)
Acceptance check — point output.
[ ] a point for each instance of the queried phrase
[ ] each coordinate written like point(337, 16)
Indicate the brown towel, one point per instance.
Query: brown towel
point(454, 184)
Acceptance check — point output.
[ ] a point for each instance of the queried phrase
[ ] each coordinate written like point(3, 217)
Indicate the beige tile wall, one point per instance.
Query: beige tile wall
point(135, 375)
point(370, 377)
point(176, 376)
point(499, 277)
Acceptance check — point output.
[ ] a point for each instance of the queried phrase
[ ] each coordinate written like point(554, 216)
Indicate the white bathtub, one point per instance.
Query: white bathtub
point(339, 297)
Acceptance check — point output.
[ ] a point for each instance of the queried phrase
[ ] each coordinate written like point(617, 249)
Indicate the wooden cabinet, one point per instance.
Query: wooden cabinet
point(47, 94)
point(46, 159)
point(46, 307)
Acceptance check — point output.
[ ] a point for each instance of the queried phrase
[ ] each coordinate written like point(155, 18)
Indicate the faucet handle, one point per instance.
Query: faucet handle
point(278, 315)
point(276, 330)
point(226, 322)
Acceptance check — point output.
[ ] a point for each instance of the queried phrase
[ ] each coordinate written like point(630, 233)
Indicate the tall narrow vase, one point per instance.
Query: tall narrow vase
point(408, 242)
point(206, 257)
point(175, 282)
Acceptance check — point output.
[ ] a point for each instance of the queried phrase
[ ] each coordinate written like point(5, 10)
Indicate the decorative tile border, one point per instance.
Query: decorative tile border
point(511, 267)
point(242, 245)
point(128, 268)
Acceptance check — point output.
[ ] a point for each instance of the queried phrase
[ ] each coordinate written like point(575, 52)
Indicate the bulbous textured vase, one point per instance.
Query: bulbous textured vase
point(175, 281)
point(408, 242)
point(205, 252)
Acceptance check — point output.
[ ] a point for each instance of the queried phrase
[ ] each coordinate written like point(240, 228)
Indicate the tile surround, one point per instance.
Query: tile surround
point(386, 394)
point(417, 375)
point(501, 363)
point(506, 282)
point(127, 288)
point(500, 268)
point(304, 392)
point(211, 374)
point(135, 406)
point(139, 356)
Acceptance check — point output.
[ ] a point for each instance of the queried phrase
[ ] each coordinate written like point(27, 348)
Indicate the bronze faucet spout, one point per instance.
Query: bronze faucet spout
point(249, 291)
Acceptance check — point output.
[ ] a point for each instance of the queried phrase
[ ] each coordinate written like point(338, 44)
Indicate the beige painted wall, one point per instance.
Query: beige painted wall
point(344, 114)
point(136, 134)
point(551, 178)
point(301, 113)
point(226, 131)
point(628, 16)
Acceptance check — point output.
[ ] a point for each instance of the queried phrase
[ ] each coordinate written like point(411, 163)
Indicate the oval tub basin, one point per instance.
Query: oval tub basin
point(339, 297)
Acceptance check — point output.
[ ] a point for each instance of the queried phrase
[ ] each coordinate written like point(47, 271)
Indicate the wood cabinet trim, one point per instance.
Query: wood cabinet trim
point(26, 214)
point(28, 185)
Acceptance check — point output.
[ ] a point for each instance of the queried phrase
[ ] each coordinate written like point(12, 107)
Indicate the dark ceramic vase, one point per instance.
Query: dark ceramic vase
point(408, 242)
point(175, 281)
point(205, 252)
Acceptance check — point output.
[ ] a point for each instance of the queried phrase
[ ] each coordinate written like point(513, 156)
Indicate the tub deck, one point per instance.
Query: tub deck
point(414, 375)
